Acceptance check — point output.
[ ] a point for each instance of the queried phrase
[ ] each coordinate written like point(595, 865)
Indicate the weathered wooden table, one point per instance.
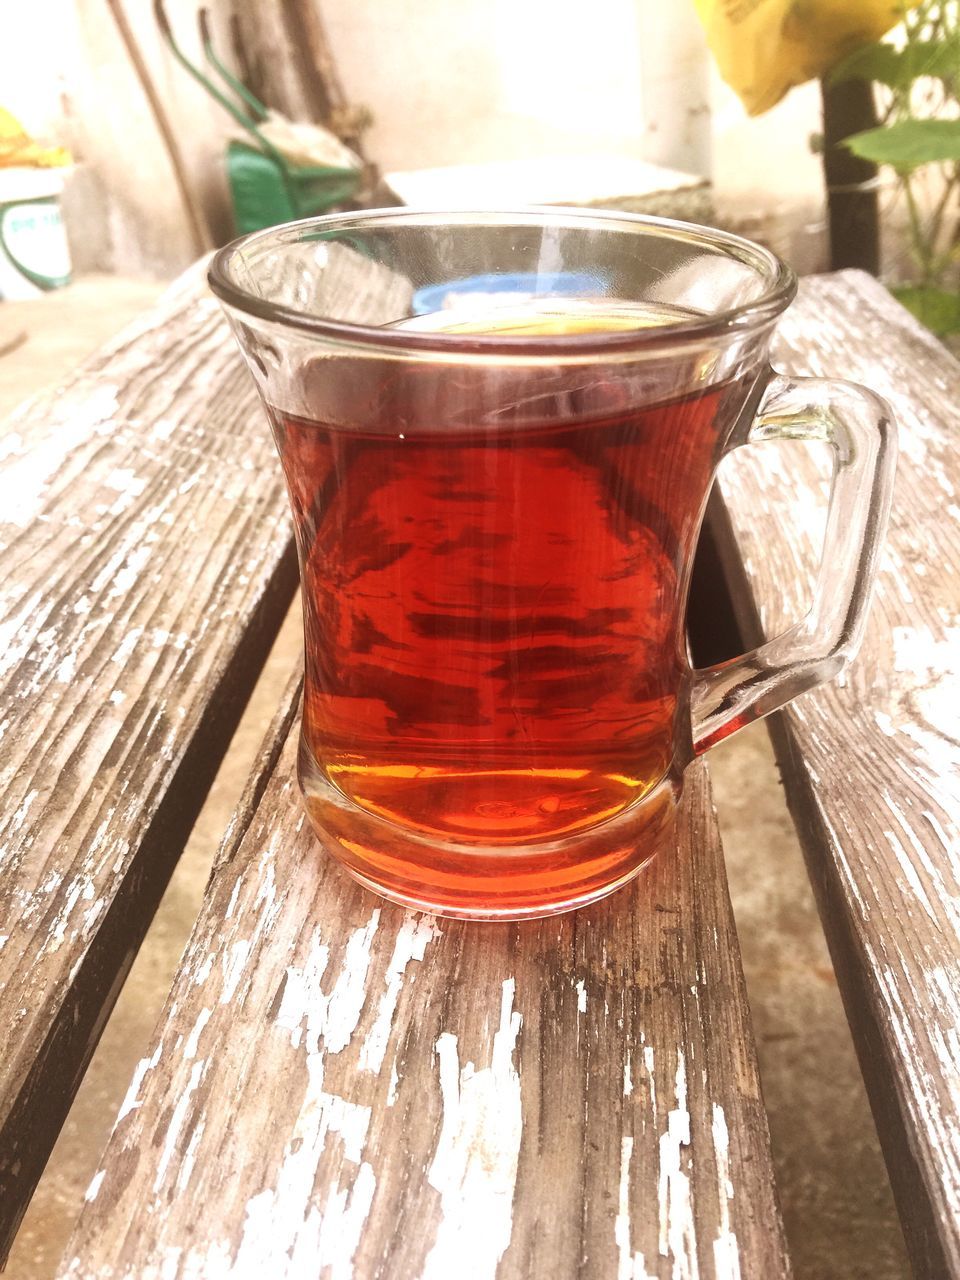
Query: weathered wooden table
point(340, 1088)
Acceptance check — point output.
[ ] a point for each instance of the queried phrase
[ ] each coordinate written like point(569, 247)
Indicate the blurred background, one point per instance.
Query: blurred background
point(420, 84)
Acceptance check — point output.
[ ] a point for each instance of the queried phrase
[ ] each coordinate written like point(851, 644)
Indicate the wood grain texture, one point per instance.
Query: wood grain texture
point(872, 762)
point(147, 562)
point(341, 1088)
point(275, 68)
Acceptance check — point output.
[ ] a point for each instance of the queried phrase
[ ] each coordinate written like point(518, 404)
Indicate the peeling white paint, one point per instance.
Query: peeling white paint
point(15, 632)
point(193, 1039)
point(19, 814)
point(29, 466)
point(61, 921)
point(124, 480)
point(917, 649)
point(933, 1114)
point(185, 1171)
point(350, 991)
point(630, 1265)
point(203, 970)
point(125, 648)
point(163, 428)
point(914, 858)
point(66, 669)
point(412, 938)
point(885, 724)
point(932, 661)
point(347, 1119)
point(298, 988)
point(267, 902)
point(651, 1078)
point(323, 1236)
point(475, 1164)
point(332, 1235)
point(334, 1016)
point(176, 1123)
point(234, 895)
point(676, 1212)
point(132, 1102)
point(910, 875)
point(726, 1252)
point(581, 997)
point(233, 961)
point(96, 1182)
point(92, 915)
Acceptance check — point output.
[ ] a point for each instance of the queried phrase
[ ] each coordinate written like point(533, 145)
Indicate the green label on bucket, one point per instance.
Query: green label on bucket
point(32, 238)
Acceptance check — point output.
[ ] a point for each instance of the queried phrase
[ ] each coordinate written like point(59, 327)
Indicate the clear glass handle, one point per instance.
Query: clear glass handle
point(861, 432)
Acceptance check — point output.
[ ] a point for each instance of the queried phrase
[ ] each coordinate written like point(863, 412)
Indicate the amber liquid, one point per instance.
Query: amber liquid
point(494, 650)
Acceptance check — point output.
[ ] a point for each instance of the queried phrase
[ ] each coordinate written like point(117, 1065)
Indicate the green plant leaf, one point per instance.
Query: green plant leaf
point(898, 68)
point(936, 58)
point(880, 62)
point(938, 309)
point(908, 144)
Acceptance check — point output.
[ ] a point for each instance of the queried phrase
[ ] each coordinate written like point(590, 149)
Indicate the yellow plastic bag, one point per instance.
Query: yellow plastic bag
point(765, 47)
point(17, 149)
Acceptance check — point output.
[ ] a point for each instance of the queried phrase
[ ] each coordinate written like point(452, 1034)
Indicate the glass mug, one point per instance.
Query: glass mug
point(498, 432)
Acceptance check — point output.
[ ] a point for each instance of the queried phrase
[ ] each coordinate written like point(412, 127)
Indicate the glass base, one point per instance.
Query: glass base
point(478, 881)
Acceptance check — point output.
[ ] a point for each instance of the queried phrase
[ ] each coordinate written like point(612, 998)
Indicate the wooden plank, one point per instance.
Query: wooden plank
point(872, 762)
point(342, 1088)
point(147, 562)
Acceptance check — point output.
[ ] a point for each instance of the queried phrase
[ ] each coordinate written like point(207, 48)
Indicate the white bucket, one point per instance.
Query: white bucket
point(34, 256)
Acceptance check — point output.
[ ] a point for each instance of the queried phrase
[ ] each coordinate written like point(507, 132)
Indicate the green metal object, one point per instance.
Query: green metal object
point(265, 188)
point(254, 105)
point(263, 194)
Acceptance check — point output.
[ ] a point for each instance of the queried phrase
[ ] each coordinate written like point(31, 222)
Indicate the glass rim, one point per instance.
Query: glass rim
point(779, 279)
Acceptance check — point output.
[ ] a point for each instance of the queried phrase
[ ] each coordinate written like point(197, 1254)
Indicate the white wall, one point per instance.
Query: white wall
point(768, 156)
point(479, 80)
point(768, 183)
